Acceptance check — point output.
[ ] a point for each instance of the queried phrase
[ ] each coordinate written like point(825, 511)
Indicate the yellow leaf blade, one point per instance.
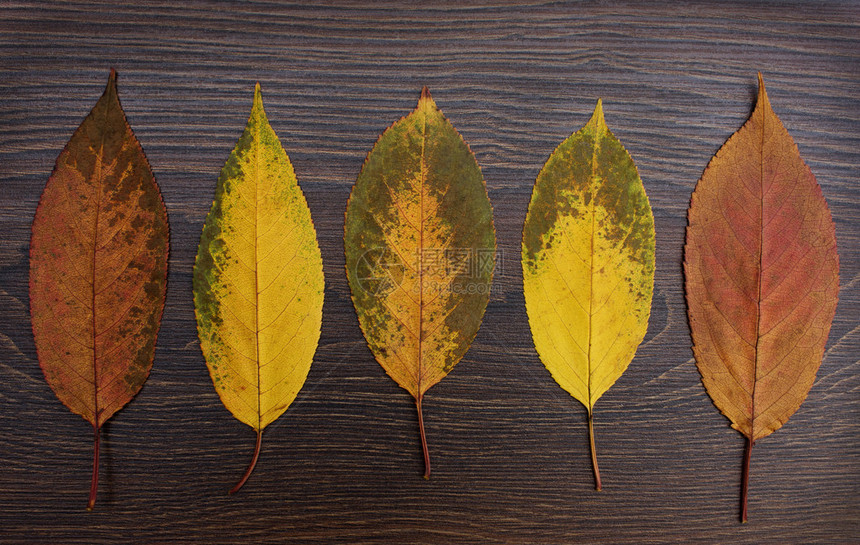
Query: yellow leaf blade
point(258, 280)
point(588, 263)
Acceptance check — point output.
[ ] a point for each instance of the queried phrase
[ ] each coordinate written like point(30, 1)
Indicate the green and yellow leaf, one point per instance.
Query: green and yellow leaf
point(258, 281)
point(420, 250)
point(588, 263)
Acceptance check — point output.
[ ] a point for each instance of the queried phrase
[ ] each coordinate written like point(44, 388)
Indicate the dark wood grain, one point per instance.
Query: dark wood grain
point(510, 453)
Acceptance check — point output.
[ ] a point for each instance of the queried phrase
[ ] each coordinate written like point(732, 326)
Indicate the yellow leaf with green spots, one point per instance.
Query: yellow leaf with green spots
point(258, 281)
point(588, 264)
point(420, 250)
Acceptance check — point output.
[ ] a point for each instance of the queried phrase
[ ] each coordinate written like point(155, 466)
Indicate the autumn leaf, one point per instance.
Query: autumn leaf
point(258, 281)
point(420, 250)
point(762, 278)
point(588, 264)
point(98, 269)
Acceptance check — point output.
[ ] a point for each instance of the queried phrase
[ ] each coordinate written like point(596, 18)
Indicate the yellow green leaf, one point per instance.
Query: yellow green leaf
point(420, 250)
point(258, 281)
point(588, 264)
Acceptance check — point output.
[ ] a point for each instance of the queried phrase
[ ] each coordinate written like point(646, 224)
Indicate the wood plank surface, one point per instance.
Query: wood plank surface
point(509, 447)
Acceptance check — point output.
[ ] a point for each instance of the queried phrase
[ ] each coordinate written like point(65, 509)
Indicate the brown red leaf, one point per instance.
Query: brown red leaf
point(98, 268)
point(762, 277)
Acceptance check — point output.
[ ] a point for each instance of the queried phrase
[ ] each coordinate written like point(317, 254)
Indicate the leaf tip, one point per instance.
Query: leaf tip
point(426, 100)
point(111, 83)
point(258, 98)
point(762, 93)
point(597, 117)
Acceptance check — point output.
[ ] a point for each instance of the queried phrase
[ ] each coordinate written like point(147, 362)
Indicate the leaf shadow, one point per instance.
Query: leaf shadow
point(659, 320)
point(106, 467)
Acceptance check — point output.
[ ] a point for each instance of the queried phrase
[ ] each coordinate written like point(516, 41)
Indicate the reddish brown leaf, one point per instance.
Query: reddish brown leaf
point(762, 277)
point(98, 268)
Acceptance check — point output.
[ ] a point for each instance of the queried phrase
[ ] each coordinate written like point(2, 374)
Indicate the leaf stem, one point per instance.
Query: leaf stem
point(94, 486)
point(250, 469)
point(745, 478)
point(423, 437)
point(597, 484)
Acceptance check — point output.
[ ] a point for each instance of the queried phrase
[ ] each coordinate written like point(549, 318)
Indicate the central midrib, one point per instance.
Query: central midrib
point(421, 165)
point(760, 271)
point(98, 191)
point(592, 186)
point(256, 144)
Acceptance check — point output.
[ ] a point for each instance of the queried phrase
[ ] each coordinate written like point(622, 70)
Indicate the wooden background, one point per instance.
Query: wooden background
point(509, 447)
